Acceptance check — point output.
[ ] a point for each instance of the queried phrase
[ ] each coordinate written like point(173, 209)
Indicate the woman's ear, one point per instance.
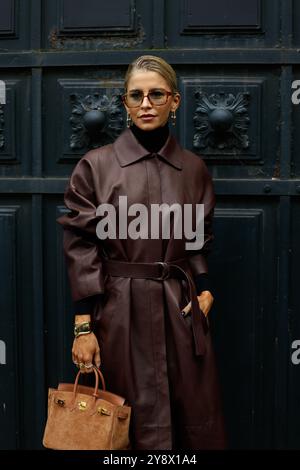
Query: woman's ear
point(127, 109)
point(124, 104)
point(176, 102)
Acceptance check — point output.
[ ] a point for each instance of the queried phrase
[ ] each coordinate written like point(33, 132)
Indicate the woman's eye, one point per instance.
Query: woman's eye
point(135, 95)
point(157, 94)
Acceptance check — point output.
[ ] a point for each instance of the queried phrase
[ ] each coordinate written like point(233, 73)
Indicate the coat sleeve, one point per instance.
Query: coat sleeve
point(80, 242)
point(202, 282)
point(198, 258)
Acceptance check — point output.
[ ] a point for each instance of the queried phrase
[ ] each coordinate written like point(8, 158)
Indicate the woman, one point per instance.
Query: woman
point(135, 298)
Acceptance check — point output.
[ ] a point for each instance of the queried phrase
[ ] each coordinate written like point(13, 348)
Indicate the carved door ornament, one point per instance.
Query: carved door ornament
point(96, 120)
point(221, 121)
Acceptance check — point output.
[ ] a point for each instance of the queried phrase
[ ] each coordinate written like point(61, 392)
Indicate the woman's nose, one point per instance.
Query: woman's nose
point(146, 104)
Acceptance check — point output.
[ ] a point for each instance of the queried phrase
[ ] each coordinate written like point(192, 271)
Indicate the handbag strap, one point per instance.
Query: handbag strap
point(98, 374)
point(101, 377)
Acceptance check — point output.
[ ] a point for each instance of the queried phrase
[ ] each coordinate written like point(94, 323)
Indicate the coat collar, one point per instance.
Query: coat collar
point(128, 150)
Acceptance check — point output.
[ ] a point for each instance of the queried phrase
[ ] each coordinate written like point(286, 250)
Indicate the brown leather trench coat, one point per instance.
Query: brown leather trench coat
point(148, 349)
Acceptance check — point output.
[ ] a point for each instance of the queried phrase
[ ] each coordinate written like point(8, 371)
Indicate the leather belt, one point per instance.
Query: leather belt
point(161, 271)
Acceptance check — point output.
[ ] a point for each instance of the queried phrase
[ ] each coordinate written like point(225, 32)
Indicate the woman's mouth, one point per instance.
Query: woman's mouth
point(147, 117)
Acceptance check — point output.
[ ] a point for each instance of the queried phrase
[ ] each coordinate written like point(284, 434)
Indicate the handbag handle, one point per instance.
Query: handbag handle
point(101, 377)
point(98, 374)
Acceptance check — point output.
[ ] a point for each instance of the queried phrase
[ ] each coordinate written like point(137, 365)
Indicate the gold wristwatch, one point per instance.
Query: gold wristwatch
point(82, 328)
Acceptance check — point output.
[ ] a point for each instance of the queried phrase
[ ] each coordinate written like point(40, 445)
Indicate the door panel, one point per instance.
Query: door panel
point(244, 269)
point(98, 25)
point(230, 23)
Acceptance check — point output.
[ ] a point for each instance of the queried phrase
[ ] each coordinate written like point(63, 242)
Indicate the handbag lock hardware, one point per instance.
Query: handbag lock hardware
point(82, 405)
point(103, 411)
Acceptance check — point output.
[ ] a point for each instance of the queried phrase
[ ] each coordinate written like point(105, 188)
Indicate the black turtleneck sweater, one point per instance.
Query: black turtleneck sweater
point(152, 141)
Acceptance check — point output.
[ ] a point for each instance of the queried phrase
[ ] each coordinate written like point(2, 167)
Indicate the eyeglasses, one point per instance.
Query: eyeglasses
point(157, 97)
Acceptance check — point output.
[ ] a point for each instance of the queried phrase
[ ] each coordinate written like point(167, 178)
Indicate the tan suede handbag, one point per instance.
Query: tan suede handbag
point(86, 418)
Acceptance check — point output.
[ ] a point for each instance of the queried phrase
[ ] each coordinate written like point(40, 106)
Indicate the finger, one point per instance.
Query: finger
point(76, 363)
point(205, 311)
point(97, 359)
point(87, 360)
point(186, 309)
point(202, 305)
point(75, 359)
point(205, 307)
point(82, 368)
point(87, 367)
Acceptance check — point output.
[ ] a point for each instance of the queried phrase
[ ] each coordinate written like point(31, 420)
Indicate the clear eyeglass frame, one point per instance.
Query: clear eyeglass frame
point(166, 94)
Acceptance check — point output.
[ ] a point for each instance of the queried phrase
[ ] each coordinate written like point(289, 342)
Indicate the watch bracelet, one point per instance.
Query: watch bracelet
point(82, 328)
point(83, 333)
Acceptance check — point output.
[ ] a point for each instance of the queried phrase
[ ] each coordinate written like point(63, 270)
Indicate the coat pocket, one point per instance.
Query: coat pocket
point(187, 319)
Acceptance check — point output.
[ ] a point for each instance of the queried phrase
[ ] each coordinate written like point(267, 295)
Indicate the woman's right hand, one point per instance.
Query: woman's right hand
point(86, 351)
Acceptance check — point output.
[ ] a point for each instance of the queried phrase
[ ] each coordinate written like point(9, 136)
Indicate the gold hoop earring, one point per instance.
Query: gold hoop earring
point(129, 120)
point(173, 118)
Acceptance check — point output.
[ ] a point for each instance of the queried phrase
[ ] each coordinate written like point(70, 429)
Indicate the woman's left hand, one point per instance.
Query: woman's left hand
point(205, 300)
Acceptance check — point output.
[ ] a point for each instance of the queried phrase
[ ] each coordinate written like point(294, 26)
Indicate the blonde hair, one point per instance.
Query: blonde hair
point(153, 64)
